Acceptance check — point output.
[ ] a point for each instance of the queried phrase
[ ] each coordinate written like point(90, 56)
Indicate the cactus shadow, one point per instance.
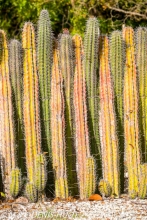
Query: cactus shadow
point(50, 184)
point(2, 164)
point(19, 134)
point(1, 47)
point(70, 153)
point(120, 133)
point(143, 142)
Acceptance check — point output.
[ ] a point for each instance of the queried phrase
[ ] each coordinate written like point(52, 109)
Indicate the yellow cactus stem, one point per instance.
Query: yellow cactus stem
point(15, 185)
point(8, 145)
point(105, 188)
point(40, 172)
point(31, 192)
point(107, 120)
point(30, 100)
point(131, 124)
point(143, 181)
point(141, 63)
point(58, 129)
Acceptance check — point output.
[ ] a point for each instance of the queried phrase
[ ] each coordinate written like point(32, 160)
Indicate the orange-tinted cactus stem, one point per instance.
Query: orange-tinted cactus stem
point(81, 127)
point(108, 136)
point(30, 101)
point(58, 129)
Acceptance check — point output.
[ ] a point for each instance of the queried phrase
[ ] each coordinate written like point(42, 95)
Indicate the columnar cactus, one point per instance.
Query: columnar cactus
point(81, 127)
point(45, 58)
point(31, 192)
point(108, 136)
point(40, 175)
point(90, 176)
point(15, 61)
point(117, 70)
point(131, 125)
point(31, 112)
point(141, 58)
point(8, 144)
point(143, 181)
point(105, 188)
point(67, 70)
point(116, 65)
point(90, 65)
point(15, 182)
point(58, 129)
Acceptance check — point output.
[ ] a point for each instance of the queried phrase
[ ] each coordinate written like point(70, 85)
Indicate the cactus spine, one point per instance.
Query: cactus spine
point(131, 127)
point(30, 106)
point(90, 68)
point(45, 58)
point(90, 176)
point(8, 144)
point(15, 61)
point(117, 70)
point(81, 127)
point(143, 181)
point(67, 71)
point(109, 140)
point(40, 167)
point(15, 182)
point(44, 55)
point(105, 188)
point(58, 129)
point(31, 192)
point(141, 58)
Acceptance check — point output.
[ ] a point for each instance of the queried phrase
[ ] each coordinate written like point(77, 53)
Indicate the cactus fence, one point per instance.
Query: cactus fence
point(73, 113)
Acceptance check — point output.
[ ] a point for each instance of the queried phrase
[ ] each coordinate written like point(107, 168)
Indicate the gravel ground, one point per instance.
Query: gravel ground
point(108, 209)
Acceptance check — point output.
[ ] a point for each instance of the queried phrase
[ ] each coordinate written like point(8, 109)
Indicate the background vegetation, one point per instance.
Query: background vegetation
point(72, 14)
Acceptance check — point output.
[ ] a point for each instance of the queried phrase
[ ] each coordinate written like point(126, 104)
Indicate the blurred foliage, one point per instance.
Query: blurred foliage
point(72, 14)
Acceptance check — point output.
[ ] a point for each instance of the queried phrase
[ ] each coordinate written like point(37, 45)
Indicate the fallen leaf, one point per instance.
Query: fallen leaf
point(10, 201)
point(6, 206)
point(57, 199)
point(70, 199)
point(2, 194)
point(95, 197)
point(22, 200)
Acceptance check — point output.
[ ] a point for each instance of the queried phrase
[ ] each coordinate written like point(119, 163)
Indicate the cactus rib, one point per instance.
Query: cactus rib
point(109, 140)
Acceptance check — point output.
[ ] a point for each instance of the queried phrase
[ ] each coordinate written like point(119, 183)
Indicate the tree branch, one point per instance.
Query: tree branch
point(127, 12)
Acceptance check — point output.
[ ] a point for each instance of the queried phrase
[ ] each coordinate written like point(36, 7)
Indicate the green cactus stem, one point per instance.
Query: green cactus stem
point(90, 176)
point(67, 70)
point(131, 124)
point(116, 56)
point(15, 185)
point(141, 58)
point(107, 122)
point(8, 143)
point(90, 64)
point(40, 167)
point(58, 129)
point(31, 192)
point(45, 58)
point(105, 188)
point(16, 74)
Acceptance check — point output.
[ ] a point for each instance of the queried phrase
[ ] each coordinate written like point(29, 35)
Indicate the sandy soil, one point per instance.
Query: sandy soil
point(108, 209)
